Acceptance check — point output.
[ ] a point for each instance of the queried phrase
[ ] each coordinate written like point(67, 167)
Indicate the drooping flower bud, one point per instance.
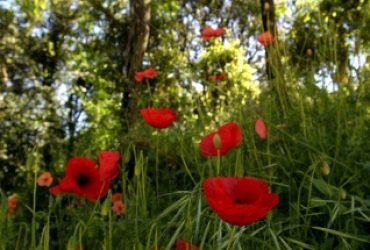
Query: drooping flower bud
point(309, 52)
point(267, 6)
point(342, 194)
point(325, 168)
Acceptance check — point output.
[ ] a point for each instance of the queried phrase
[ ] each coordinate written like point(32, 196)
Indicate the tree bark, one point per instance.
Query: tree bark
point(137, 43)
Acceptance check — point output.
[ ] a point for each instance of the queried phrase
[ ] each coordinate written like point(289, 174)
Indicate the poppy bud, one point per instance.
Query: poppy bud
point(309, 52)
point(267, 6)
point(105, 207)
point(342, 194)
point(137, 169)
point(217, 141)
point(73, 243)
point(126, 156)
point(325, 168)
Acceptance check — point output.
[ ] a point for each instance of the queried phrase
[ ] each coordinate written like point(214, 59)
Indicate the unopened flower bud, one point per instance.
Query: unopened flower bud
point(342, 194)
point(267, 6)
point(309, 52)
point(217, 141)
point(325, 168)
point(105, 207)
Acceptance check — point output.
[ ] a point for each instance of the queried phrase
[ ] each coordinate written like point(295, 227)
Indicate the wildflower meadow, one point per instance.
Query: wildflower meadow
point(184, 125)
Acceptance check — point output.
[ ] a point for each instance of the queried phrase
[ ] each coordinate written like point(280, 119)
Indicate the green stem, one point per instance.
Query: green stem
point(33, 227)
point(157, 170)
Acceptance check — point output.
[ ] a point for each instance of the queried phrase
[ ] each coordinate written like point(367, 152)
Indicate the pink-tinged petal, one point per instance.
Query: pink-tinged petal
point(265, 38)
point(261, 129)
point(109, 165)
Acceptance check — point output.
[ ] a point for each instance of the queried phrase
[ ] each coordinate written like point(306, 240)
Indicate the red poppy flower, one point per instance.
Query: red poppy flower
point(183, 245)
point(239, 201)
point(109, 165)
point(158, 117)
point(12, 202)
point(217, 77)
point(148, 73)
point(116, 197)
point(265, 38)
point(139, 76)
point(209, 33)
point(12, 205)
point(118, 207)
point(230, 136)
point(84, 179)
point(260, 128)
point(45, 179)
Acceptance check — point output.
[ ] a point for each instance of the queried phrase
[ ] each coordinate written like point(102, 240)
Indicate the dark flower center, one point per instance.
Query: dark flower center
point(246, 192)
point(82, 180)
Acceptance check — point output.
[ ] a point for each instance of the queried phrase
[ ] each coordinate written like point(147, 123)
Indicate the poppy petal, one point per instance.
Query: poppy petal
point(150, 73)
point(230, 136)
point(265, 38)
point(183, 245)
point(83, 179)
point(158, 117)
point(109, 165)
point(219, 32)
point(239, 201)
point(209, 33)
point(261, 129)
point(139, 76)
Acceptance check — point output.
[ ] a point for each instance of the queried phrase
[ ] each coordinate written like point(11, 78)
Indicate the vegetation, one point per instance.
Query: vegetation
point(68, 89)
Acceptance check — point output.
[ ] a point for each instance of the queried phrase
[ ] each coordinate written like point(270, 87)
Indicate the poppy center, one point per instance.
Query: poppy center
point(246, 192)
point(82, 180)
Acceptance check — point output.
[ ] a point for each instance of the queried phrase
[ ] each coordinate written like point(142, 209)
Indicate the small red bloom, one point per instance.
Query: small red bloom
point(265, 38)
point(260, 128)
point(45, 179)
point(239, 201)
point(218, 32)
point(230, 135)
point(217, 77)
point(183, 245)
point(148, 73)
point(12, 205)
point(158, 117)
point(118, 207)
point(12, 202)
point(116, 197)
point(84, 179)
point(139, 76)
point(209, 33)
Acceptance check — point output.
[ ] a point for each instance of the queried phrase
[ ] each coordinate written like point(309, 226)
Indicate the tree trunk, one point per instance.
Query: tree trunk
point(137, 43)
